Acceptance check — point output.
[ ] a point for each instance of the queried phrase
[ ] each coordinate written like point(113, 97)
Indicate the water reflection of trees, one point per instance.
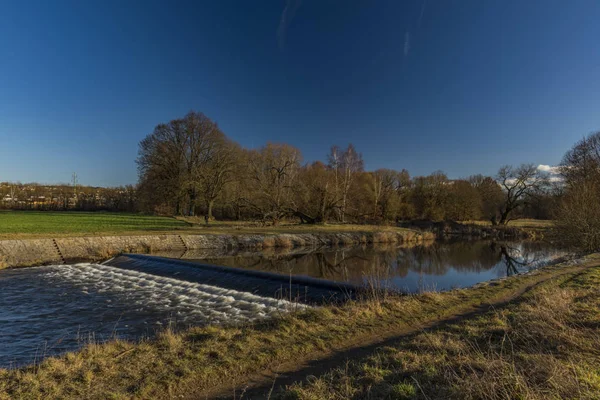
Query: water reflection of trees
point(515, 259)
point(358, 263)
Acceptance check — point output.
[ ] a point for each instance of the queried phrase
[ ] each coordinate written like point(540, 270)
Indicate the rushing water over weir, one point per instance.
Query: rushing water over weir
point(294, 288)
point(51, 309)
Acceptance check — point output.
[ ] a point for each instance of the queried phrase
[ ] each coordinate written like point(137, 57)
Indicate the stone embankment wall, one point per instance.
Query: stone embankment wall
point(28, 252)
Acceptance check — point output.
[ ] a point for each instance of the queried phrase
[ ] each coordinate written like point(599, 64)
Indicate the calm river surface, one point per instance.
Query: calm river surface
point(436, 266)
point(48, 310)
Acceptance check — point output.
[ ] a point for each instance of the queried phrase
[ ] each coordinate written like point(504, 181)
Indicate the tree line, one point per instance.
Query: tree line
point(578, 212)
point(188, 166)
point(61, 197)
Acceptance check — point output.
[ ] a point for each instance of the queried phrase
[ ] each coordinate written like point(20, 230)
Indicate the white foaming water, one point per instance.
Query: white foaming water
point(185, 300)
point(52, 309)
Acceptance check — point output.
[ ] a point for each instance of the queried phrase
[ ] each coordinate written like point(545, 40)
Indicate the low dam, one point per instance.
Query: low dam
point(293, 288)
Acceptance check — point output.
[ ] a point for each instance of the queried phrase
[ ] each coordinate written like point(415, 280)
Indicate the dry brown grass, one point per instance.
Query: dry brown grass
point(519, 223)
point(546, 347)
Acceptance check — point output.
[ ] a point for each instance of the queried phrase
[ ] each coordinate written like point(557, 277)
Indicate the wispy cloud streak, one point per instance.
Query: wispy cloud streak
point(406, 43)
point(291, 6)
point(422, 13)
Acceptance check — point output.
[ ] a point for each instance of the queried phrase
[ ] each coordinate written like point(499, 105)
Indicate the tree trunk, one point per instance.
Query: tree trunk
point(321, 215)
point(209, 208)
point(343, 209)
point(192, 205)
point(504, 217)
point(305, 219)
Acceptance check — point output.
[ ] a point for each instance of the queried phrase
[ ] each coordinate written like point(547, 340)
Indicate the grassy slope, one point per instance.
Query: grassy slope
point(194, 363)
point(545, 347)
point(32, 224)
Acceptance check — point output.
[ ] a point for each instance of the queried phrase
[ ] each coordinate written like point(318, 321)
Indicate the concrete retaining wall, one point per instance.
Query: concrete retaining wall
point(28, 252)
point(102, 247)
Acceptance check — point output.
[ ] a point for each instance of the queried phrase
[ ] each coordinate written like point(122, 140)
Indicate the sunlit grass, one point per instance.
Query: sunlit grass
point(547, 347)
point(35, 224)
point(518, 223)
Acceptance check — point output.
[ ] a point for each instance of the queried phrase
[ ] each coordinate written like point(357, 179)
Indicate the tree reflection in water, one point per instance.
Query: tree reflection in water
point(392, 263)
point(513, 258)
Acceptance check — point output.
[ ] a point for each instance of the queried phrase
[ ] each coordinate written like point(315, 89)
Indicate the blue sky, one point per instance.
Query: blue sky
point(464, 86)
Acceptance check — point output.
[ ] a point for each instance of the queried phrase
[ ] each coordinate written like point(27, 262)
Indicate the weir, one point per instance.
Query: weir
point(286, 287)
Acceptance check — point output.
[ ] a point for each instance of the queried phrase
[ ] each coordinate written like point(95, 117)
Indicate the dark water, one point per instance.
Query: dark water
point(52, 309)
point(436, 266)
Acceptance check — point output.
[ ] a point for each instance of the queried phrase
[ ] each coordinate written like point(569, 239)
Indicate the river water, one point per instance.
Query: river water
point(434, 266)
point(49, 310)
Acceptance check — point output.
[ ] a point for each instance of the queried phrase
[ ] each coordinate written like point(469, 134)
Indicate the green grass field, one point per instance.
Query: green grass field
point(47, 224)
point(14, 224)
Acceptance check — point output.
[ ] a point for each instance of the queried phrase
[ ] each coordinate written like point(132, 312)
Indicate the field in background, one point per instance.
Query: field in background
point(19, 224)
point(39, 224)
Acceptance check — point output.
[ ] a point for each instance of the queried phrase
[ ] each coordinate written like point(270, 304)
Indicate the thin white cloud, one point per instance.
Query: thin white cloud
point(406, 43)
point(552, 170)
point(422, 12)
point(291, 6)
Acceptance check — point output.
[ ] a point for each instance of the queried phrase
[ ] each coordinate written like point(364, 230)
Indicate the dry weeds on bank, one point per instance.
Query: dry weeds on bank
point(545, 347)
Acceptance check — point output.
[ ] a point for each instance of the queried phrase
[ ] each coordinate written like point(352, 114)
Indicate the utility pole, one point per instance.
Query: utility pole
point(74, 184)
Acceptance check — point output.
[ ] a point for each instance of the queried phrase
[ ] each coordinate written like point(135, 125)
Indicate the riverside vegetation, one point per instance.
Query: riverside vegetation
point(509, 358)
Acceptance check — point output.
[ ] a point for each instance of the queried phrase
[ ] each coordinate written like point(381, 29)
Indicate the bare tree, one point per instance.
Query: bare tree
point(273, 170)
point(430, 196)
point(384, 184)
point(582, 161)
point(520, 185)
point(314, 197)
point(346, 165)
point(490, 193)
point(578, 214)
point(174, 160)
point(160, 166)
point(218, 171)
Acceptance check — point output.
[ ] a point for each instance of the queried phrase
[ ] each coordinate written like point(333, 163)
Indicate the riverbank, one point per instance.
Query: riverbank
point(544, 346)
point(519, 229)
point(28, 252)
point(218, 361)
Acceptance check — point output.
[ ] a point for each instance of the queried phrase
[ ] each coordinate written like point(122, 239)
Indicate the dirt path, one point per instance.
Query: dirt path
point(261, 384)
